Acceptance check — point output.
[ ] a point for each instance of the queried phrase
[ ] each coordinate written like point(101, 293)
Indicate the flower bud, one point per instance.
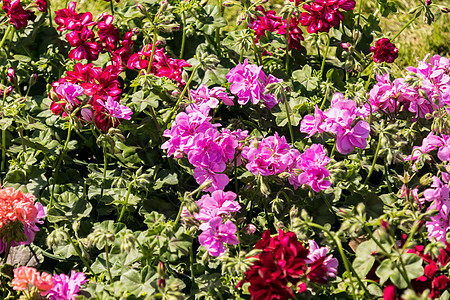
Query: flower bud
point(250, 229)
point(161, 269)
point(12, 75)
point(161, 283)
point(128, 242)
point(142, 9)
point(360, 208)
point(428, 2)
point(33, 79)
point(346, 46)
point(445, 10)
point(294, 212)
point(55, 238)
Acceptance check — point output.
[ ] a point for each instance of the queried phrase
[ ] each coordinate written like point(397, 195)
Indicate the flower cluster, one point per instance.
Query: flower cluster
point(284, 264)
point(273, 156)
point(58, 287)
point(102, 90)
point(438, 195)
point(208, 149)
point(430, 280)
point(249, 82)
point(269, 21)
point(342, 120)
point(430, 93)
point(212, 208)
point(19, 215)
point(432, 142)
point(162, 64)
point(384, 51)
point(322, 15)
point(17, 15)
point(29, 279)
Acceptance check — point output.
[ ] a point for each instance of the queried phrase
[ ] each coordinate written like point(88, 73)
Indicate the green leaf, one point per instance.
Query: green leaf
point(385, 270)
point(69, 207)
point(139, 284)
point(304, 77)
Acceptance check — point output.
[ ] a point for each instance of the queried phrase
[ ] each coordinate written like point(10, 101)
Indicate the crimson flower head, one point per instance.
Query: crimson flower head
point(68, 18)
point(41, 5)
point(108, 33)
point(384, 51)
point(84, 41)
point(297, 2)
point(321, 15)
point(17, 15)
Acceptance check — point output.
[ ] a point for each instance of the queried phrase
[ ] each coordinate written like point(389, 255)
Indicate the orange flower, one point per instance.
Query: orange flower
point(15, 205)
point(24, 278)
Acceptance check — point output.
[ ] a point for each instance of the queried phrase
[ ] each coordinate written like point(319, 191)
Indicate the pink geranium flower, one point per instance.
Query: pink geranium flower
point(215, 234)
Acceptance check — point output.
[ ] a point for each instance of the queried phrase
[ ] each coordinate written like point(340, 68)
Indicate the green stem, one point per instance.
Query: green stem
point(169, 117)
point(374, 159)
point(155, 36)
point(107, 262)
point(50, 13)
point(112, 7)
point(8, 248)
point(78, 252)
point(3, 150)
point(369, 79)
point(241, 56)
point(177, 219)
point(287, 41)
point(183, 40)
point(191, 263)
point(325, 97)
point(5, 36)
point(291, 132)
point(404, 27)
point(55, 174)
point(348, 266)
point(325, 56)
point(105, 167)
point(124, 207)
point(3, 137)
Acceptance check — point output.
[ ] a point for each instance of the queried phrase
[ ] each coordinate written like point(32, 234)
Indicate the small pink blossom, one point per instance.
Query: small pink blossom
point(215, 234)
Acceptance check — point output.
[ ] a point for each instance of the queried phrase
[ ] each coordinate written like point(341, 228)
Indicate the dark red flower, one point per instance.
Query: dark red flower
point(108, 33)
point(41, 5)
point(16, 14)
point(321, 15)
point(384, 51)
point(68, 18)
point(85, 45)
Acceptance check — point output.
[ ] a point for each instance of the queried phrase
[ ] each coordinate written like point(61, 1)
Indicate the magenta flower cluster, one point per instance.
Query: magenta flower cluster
point(322, 15)
point(269, 21)
point(431, 143)
point(162, 64)
point(249, 82)
point(212, 210)
point(438, 195)
point(273, 156)
point(65, 287)
point(344, 119)
point(207, 148)
point(430, 94)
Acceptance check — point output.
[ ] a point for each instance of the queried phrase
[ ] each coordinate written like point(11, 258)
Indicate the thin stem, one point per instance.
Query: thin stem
point(183, 40)
point(325, 97)
point(374, 159)
point(124, 207)
point(404, 27)
point(325, 56)
point(369, 79)
point(287, 41)
point(5, 36)
point(155, 36)
point(291, 132)
point(191, 263)
point(8, 248)
point(3, 137)
point(49, 13)
point(112, 7)
point(241, 56)
point(347, 264)
point(107, 262)
point(105, 167)
point(55, 174)
point(169, 117)
point(78, 252)
point(177, 219)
